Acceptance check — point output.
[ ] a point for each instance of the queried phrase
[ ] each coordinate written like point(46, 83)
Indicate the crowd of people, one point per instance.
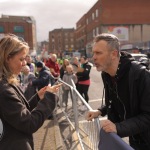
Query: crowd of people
point(38, 74)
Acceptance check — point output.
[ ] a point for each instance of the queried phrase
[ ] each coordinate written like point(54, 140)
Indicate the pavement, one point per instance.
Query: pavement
point(48, 137)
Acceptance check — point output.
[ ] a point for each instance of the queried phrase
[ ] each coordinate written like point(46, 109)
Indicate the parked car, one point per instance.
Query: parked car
point(137, 56)
point(142, 58)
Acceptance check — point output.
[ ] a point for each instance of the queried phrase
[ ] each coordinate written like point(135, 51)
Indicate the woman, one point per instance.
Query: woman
point(63, 67)
point(83, 74)
point(21, 118)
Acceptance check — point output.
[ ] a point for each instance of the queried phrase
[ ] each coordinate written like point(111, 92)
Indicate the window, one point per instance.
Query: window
point(66, 34)
point(66, 47)
point(66, 40)
point(93, 16)
point(71, 35)
point(96, 13)
point(87, 21)
point(97, 30)
point(93, 32)
point(53, 46)
point(72, 40)
point(1, 29)
point(18, 29)
point(52, 36)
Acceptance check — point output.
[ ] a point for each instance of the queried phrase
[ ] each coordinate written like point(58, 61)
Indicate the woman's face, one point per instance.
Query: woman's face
point(66, 62)
point(17, 61)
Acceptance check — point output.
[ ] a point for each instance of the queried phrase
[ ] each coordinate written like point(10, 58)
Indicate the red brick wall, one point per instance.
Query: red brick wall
point(125, 11)
point(28, 33)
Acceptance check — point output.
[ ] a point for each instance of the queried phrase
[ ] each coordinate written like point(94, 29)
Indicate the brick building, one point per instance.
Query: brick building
point(62, 41)
point(128, 20)
point(22, 26)
point(81, 35)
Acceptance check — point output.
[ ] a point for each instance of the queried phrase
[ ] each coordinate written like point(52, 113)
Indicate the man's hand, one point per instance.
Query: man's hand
point(92, 114)
point(108, 126)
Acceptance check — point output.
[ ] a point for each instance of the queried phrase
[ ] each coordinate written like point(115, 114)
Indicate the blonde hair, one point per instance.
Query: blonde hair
point(69, 67)
point(64, 65)
point(10, 45)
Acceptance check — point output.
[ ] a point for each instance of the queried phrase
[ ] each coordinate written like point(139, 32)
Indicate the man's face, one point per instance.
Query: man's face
point(28, 59)
point(53, 58)
point(102, 56)
point(39, 69)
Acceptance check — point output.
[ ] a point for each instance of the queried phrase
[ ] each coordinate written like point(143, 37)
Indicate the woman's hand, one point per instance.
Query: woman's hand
point(41, 92)
point(54, 88)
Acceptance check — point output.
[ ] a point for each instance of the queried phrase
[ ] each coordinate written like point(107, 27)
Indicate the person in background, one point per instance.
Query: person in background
point(27, 77)
point(83, 75)
point(127, 92)
point(53, 65)
point(76, 65)
point(30, 63)
point(68, 75)
point(20, 117)
point(44, 76)
point(63, 67)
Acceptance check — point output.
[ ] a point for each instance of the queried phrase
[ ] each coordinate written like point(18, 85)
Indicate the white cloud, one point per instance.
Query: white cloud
point(49, 14)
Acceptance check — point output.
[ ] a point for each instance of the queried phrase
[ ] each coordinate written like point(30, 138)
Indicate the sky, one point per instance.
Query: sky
point(49, 14)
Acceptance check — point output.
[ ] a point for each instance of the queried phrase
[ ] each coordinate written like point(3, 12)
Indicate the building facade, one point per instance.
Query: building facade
point(81, 35)
point(22, 26)
point(128, 20)
point(62, 41)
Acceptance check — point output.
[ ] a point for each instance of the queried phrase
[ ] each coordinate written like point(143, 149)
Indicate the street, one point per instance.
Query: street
point(95, 89)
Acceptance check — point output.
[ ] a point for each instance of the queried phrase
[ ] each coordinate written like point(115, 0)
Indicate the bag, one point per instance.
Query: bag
point(112, 141)
point(1, 129)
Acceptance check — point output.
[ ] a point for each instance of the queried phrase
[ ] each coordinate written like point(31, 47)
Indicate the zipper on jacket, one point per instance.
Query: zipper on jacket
point(116, 88)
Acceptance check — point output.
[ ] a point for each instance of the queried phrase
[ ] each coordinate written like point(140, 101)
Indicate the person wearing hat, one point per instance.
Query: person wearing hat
point(44, 76)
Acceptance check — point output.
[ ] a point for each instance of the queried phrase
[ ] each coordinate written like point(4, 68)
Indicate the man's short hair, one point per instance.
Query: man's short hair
point(40, 64)
point(112, 40)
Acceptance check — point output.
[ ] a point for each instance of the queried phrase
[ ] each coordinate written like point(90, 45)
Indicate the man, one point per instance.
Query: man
point(27, 77)
point(44, 76)
point(30, 63)
point(53, 65)
point(127, 93)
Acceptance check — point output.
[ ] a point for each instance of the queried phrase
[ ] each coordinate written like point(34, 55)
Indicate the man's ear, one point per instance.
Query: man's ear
point(115, 53)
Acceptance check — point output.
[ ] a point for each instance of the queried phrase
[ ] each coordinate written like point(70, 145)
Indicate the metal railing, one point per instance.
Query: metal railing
point(87, 131)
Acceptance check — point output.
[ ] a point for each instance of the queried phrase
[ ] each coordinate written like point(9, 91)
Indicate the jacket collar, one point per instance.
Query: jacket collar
point(20, 94)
